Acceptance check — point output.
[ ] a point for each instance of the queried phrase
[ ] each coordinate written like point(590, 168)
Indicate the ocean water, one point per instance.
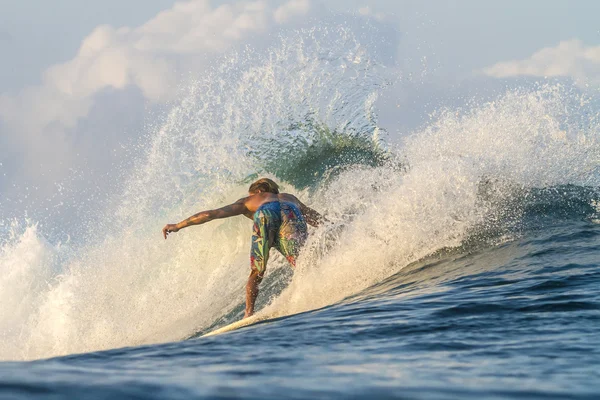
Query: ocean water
point(460, 260)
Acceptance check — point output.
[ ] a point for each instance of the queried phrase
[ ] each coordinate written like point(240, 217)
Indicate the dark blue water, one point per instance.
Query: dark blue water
point(515, 320)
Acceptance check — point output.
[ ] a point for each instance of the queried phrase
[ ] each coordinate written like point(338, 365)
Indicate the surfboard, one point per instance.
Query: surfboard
point(239, 324)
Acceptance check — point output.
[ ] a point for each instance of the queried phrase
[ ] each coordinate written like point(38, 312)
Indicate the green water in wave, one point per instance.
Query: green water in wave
point(315, 154)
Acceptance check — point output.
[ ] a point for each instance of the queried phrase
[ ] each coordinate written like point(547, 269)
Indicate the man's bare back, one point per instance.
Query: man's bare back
point(253, 203)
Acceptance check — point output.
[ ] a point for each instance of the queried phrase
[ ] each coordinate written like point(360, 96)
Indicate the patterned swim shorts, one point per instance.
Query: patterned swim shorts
point(280, 225)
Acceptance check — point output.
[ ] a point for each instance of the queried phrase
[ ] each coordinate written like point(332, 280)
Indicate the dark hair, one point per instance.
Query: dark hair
point(265, 185)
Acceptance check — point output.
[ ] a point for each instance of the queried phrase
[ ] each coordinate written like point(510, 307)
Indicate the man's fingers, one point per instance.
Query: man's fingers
point(169, 228)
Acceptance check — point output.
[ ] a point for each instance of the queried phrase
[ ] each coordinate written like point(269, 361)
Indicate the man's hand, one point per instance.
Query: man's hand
point(169, 228)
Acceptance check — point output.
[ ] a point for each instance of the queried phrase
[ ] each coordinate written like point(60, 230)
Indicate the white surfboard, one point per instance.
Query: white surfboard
point(239, 324)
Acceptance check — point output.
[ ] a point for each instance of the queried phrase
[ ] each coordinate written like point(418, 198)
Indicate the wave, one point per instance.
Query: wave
point(304, 114)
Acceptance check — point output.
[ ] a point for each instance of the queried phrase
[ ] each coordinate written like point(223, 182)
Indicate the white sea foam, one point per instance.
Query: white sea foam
point(28, 263)
point(124, 284)
point(524, 139)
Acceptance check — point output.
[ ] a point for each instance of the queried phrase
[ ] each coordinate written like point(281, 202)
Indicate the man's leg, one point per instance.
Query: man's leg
point(292, 234)
point(252, 292)
point(263, 234)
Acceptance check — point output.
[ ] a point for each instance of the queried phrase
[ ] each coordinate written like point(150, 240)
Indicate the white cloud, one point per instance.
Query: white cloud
point(568, 59)
point(144, 56)
point(290, 9)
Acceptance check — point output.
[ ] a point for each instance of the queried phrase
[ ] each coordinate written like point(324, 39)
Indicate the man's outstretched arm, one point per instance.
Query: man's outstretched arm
point(237, 208)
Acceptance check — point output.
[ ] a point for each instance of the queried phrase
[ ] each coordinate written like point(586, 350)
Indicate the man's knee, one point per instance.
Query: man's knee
point(257, 275)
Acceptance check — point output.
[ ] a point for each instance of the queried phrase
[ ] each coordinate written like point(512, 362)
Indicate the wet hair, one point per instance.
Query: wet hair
point(265, 185)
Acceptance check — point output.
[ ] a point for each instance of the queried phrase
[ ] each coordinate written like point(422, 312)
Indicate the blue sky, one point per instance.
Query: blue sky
point(35, 35)
point(77, 77)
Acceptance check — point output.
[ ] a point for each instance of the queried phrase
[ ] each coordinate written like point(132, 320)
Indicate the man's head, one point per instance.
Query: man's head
point(264, 185)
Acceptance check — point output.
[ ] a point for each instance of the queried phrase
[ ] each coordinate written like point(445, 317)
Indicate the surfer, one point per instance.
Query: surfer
point(279, 221)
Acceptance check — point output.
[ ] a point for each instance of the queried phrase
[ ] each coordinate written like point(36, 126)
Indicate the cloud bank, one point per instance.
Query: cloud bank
point(569, 58)
point(147, 57)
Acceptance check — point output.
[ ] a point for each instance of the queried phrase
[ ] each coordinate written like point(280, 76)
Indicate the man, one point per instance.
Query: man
point(279, 221)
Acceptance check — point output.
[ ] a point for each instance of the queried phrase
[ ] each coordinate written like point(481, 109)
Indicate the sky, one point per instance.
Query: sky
point(504, 30)
point(78, 78)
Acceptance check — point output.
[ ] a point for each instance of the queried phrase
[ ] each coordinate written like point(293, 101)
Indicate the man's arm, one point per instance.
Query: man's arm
point(311, 216)
point(237, 208)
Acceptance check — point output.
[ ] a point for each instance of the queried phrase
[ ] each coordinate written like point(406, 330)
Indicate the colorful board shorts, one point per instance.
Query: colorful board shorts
point(280, 225)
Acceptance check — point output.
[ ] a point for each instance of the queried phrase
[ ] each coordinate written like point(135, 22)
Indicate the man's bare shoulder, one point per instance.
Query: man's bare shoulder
point(288, 197)
point(253, 202)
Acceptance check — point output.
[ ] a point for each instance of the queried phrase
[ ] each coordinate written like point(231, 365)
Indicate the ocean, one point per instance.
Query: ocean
point(460, 259)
